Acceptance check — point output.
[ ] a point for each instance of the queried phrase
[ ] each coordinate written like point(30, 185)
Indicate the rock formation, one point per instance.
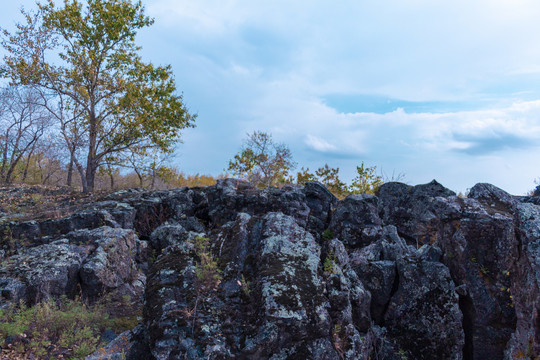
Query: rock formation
point(234, 272)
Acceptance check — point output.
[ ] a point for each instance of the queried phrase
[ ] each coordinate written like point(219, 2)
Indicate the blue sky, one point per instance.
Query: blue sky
point(435, 90)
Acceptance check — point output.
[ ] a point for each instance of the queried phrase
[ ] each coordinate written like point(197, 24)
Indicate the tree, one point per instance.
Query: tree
point(73, 137)
point(84, 57)
point(22, 123)
point(145, 163)
point(42, 166)
point(303, 176)
point(262, 161)
point(329, 177)
point(366, 181)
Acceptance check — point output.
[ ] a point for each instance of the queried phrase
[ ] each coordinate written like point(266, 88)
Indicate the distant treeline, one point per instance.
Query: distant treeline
point(33, 156)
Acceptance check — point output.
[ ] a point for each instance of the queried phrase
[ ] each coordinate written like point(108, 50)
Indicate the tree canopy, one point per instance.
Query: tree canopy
point(22, 124)
point(266, 163)
point(262, 161)
point(107, 100)
point(366, 180)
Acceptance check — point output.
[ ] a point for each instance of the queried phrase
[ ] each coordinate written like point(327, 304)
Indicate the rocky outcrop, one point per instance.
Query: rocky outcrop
point(234, 272)
point(423, 315)
point(356, 220)
point(525, 340)
point(41, 272)
point(477, 237)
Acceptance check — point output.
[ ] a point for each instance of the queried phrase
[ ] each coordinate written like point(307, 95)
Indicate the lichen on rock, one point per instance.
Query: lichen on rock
point(414, 272)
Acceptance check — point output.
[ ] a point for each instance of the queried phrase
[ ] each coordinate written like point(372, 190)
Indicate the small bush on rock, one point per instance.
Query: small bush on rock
point(208, 275)
point(329, 263)
point(207, 272)
point(61, 328)
point(64, 325)
point(327, 235)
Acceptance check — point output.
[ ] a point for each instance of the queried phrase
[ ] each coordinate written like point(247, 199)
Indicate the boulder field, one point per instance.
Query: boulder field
point(234, 272)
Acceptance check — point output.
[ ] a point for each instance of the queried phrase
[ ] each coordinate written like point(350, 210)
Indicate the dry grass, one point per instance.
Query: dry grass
point(41, 202)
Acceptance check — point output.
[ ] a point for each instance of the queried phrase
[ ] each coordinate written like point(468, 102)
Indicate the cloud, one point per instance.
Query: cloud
point(495, 143)
point(414, 50)
point(319, 144)
point(434, 89)
point(459, 77)
point(397, 135)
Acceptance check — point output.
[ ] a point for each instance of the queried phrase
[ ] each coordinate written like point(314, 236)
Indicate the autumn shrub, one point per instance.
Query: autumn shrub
point(262, 161)
point(64, 326)
point(207, 272)
point(329, 263)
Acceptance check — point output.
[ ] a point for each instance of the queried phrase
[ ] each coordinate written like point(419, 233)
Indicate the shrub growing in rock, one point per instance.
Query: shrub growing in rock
point(66, 327)
point(207, 273)
point(329, 263)
point(329, 177)
point(366, 180)
point(54, 329)
point(327, 235)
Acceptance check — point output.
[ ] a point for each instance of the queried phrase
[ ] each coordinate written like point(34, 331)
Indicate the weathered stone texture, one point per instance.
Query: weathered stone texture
point(415, 272)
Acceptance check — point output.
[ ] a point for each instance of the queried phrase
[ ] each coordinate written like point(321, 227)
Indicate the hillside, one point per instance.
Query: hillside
point(234, 272)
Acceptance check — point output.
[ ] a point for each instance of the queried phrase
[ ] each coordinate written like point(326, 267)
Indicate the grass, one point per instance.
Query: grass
point(54, 329)
point(40, 202)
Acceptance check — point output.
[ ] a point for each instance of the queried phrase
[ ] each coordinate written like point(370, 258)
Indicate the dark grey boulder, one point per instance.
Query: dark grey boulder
point(356, 220)
point(12, 291)
point(416, 211)
point(50, 270)
point(111, 265)
point(321, 202)
point(128, 345)
point(293, 310)
point(423, 315)
point(525, 289)
point(493, 196)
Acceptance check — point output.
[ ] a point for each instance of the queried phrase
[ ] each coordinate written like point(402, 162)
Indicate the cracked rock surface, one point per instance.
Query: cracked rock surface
point(234, 272)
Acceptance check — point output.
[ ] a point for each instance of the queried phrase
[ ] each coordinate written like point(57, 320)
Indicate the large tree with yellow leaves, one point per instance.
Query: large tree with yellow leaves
point(84, 59)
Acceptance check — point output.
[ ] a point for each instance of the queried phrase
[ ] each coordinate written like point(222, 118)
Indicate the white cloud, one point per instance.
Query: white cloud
point(413, 50)
point(458, 148)
point(251, 65)
point(319, 144)
point(417, 50)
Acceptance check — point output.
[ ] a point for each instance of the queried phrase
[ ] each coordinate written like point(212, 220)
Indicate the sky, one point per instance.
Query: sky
point(445, 90)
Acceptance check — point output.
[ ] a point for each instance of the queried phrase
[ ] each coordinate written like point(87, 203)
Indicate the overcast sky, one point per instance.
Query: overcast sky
point(435, 90)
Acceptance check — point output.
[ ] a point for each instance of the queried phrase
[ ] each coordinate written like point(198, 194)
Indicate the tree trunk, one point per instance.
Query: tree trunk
point(70, 170)
point(91, 167)
point(4, 164)
point(27, 165)
point(90, 178)
point(153, 184)
point(9, 175)
point(111, 176)
point(84, 184)
point(140, 177)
